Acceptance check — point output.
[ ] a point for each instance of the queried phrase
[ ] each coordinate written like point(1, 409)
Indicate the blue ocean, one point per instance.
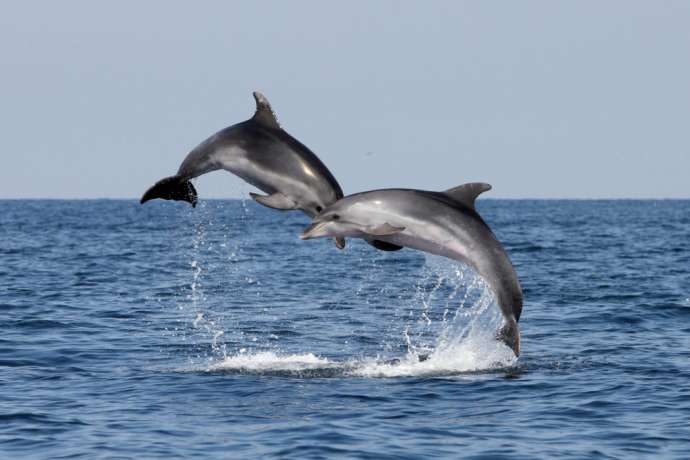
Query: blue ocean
point(162, 331)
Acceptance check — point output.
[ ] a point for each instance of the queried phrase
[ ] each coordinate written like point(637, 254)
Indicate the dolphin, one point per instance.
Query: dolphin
point(442, 223)
point(266, 156)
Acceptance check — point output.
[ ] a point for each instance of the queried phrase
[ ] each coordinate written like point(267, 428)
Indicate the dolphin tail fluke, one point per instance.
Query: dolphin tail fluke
point(510, 335)
point(172, 188)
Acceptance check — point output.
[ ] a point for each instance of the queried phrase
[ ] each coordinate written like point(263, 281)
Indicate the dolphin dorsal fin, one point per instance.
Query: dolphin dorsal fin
point(467, 193)
point(264, 113)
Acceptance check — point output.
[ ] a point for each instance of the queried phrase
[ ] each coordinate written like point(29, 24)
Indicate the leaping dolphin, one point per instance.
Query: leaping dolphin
point(441, 223)
point(266, 156)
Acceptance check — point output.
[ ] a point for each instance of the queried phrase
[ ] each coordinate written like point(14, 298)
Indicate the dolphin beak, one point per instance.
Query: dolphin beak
point(318, 230)
point(313, 231)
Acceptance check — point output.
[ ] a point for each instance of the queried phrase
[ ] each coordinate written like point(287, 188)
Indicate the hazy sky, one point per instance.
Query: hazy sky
point(540, 99)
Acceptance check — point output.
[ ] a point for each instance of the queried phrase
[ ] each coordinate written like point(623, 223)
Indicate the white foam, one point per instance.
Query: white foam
point(269, 361)
point(464, 358)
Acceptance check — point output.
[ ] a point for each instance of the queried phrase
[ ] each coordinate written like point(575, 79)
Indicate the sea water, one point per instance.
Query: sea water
point(162, 331)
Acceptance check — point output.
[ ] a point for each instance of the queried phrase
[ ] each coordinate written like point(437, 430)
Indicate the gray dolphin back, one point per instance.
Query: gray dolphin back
point(492, 263)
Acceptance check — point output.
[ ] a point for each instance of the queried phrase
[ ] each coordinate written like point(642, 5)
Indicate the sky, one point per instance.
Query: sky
point(542, 99)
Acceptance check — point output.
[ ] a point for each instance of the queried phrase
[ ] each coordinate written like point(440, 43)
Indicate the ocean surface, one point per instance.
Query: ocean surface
point(162, 331)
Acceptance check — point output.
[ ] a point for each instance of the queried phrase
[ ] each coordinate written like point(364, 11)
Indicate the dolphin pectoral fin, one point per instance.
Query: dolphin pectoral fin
point(468, 193)
point(171, 188)
point(275, 201)
point(384, 230)
point(264, 114)
point(339, 242)
point(383, 246)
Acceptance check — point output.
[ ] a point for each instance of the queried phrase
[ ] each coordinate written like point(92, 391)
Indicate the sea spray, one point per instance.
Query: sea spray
point(199, 325)
point(447, 334)
point(448, 328)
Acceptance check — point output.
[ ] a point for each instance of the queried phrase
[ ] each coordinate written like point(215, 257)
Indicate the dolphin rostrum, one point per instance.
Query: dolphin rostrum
point(441, 223)
point(266, 156)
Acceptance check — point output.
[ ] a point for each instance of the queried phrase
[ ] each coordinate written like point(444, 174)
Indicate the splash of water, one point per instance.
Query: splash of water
point(198, 325)
point(452, 332)
point(447, 327)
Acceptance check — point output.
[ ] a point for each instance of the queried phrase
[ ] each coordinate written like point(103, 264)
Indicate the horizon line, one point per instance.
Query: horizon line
point(249, 199)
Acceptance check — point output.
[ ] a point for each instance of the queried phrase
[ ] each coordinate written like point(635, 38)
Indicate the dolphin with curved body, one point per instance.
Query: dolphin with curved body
point(441, 223)
point(266, 156)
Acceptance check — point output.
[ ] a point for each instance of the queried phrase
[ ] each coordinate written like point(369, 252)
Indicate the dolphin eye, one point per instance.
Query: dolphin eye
point(336, 217)
point(319, 209)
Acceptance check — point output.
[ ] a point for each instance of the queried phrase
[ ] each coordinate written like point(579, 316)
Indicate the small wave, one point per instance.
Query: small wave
point(39, 324)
